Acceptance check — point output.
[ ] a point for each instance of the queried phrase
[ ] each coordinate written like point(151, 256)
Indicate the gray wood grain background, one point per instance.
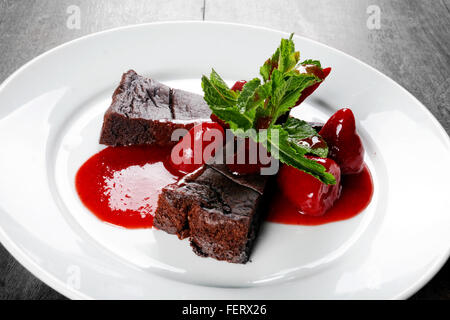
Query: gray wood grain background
point(412, 46)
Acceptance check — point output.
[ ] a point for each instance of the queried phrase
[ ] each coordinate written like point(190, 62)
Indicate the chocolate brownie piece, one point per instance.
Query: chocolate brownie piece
point(144, 111)
point(217, 210)
point(176, 201)
point(188, 106)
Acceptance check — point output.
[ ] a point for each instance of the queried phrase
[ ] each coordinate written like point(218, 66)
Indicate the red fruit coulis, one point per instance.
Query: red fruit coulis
point(121, 185)
point(356, 194)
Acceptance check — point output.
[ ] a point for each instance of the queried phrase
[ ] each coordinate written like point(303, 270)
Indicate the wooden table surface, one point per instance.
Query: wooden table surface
point(411, 44)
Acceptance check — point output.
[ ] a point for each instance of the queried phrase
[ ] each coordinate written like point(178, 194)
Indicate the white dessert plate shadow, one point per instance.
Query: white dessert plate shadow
point(50, 118)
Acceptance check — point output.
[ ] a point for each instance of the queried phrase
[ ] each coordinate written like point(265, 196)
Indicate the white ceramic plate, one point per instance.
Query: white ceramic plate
point(50, 118)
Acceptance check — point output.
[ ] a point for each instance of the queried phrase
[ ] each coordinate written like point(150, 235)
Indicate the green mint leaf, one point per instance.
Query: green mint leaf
point(298, 129)
point(288, 56)
point(304, 138)
point(248, 98)
point(290, 91)
point(266, 70)
point(301, 81)
point(311, 62)
point(215, 96)
point(279, 87)
point(233, 117)
point(270, 65)
point(256, 106)
point(276, 140)
point(264, 91)
point(222, 87)
point(223, 103)
point(261, 95)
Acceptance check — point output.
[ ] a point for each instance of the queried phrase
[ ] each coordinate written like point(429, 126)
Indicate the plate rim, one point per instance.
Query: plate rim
point(67, 291)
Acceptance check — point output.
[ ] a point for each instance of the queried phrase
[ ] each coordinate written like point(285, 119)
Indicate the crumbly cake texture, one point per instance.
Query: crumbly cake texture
point(219, 212)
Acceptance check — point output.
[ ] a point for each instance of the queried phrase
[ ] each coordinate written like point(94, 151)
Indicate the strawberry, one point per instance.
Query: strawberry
point(344, 143)
point(309, 195)
point(190, 153)
point(238, 85)
point(318, 72)
point(216, 119)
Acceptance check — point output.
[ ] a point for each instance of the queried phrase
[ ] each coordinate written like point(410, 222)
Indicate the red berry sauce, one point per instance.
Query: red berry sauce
point(121, 185)
point(309, 195)
point(356, 194)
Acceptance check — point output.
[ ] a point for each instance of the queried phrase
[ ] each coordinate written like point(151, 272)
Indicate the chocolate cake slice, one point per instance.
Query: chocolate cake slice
point(144, 111)
point(217, 210)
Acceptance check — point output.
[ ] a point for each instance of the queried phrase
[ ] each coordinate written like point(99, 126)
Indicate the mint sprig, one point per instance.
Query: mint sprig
point(223, 102)
point(311, 62)
point(261, 103)
point(302, 137)
point(291, 154)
